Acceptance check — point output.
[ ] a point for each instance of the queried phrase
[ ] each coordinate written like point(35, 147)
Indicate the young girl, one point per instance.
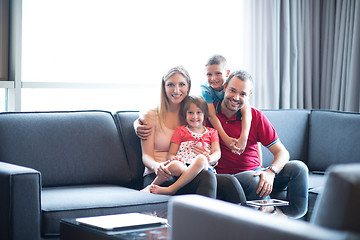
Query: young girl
point(183, 162)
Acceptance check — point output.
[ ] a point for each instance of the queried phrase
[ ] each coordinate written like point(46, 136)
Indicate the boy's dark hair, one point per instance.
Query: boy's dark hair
point(217, 60)
point(243, 75)
point(200, 102)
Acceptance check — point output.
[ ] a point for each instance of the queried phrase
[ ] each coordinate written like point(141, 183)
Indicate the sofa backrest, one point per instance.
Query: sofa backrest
point(338, 205)
point(125, 121)
point(68, 148)
point(334, 138)
point(292, 127)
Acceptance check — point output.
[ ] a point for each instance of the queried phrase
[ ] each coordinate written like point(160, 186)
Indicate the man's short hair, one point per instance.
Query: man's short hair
point(243, 75)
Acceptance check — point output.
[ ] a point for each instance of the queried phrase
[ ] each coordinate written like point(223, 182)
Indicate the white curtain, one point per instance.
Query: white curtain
point(305, 54)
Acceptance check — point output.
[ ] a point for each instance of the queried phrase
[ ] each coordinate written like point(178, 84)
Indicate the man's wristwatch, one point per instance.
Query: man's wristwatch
point(274, 170)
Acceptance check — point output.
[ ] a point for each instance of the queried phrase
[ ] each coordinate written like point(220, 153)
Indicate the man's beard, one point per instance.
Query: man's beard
point(227, 105)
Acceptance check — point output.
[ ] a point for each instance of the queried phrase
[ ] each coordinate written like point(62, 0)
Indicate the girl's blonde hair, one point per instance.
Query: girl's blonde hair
point(164, 101)
point(200, 102)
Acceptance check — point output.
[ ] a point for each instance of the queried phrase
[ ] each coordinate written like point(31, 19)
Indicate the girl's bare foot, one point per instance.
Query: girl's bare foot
point(146, 189)
point(161, 190)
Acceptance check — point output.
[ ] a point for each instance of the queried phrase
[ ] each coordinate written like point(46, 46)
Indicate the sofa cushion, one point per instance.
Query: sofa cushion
point(67, 148)
point(334, 138)
point(292, 127)
point(125, 121)
point(93, 200)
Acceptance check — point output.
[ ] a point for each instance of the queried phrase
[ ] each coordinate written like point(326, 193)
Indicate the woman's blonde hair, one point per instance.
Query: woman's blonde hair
point(164, 101)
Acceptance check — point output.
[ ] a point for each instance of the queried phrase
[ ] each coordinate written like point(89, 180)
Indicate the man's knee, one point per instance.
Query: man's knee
point(206, 183)
point(224, 180)
point(206, 175)
point(203, 184)
point(249, 183)
point(246, 176)
point(229, 189)
point(296, 167)
point(206, 178)
point(248, 180)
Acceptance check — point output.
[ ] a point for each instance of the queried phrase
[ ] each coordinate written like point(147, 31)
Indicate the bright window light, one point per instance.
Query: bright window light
point(2, 99)
point(122, 42)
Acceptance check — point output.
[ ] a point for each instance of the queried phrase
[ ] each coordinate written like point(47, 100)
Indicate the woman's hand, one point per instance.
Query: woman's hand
point(162, 171)
point(142, 128)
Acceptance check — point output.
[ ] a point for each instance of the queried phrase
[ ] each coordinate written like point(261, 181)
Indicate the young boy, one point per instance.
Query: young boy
point(213, 91)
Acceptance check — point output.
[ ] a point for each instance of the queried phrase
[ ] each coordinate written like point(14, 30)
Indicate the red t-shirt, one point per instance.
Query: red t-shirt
point(183, 134)
point(261, 130)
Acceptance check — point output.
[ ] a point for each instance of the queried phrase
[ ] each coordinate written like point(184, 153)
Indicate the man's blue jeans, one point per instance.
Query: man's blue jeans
point(293, 178)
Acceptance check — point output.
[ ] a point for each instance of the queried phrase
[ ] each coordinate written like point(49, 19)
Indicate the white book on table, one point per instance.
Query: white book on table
point(122, 221)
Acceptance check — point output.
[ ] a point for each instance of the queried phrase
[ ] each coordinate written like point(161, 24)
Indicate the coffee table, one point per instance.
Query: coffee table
point(70, 229)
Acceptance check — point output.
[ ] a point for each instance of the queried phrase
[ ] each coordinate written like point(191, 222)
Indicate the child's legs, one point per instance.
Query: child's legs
point(176, 168)
point(198, 164)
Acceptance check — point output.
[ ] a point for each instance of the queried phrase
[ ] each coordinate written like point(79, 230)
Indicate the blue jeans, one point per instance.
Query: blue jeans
point(293, 179)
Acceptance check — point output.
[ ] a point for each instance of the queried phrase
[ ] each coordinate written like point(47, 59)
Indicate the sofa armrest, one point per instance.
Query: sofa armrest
point(197, 217)
point(19, 202)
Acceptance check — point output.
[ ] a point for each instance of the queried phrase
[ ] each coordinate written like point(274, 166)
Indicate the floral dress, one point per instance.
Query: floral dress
point(186, 139)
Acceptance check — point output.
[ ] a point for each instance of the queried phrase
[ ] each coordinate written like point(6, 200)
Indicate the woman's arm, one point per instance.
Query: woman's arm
point(147, 148)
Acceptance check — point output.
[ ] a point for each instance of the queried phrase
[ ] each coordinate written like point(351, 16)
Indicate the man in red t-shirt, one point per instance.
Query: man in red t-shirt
point(258, 182)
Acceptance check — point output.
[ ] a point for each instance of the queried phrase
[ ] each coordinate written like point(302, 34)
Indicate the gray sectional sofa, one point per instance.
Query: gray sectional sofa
point(56, 165)
point(320, 138)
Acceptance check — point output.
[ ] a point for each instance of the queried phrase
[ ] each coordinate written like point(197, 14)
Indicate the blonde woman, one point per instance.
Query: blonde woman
point(163, 121)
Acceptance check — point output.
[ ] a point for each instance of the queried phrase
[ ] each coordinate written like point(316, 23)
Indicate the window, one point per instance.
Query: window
point(111, 55)
point(2, 99)
point(48, 99)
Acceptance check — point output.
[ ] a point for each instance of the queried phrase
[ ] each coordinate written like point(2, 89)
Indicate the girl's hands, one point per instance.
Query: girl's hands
point(204, 151)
